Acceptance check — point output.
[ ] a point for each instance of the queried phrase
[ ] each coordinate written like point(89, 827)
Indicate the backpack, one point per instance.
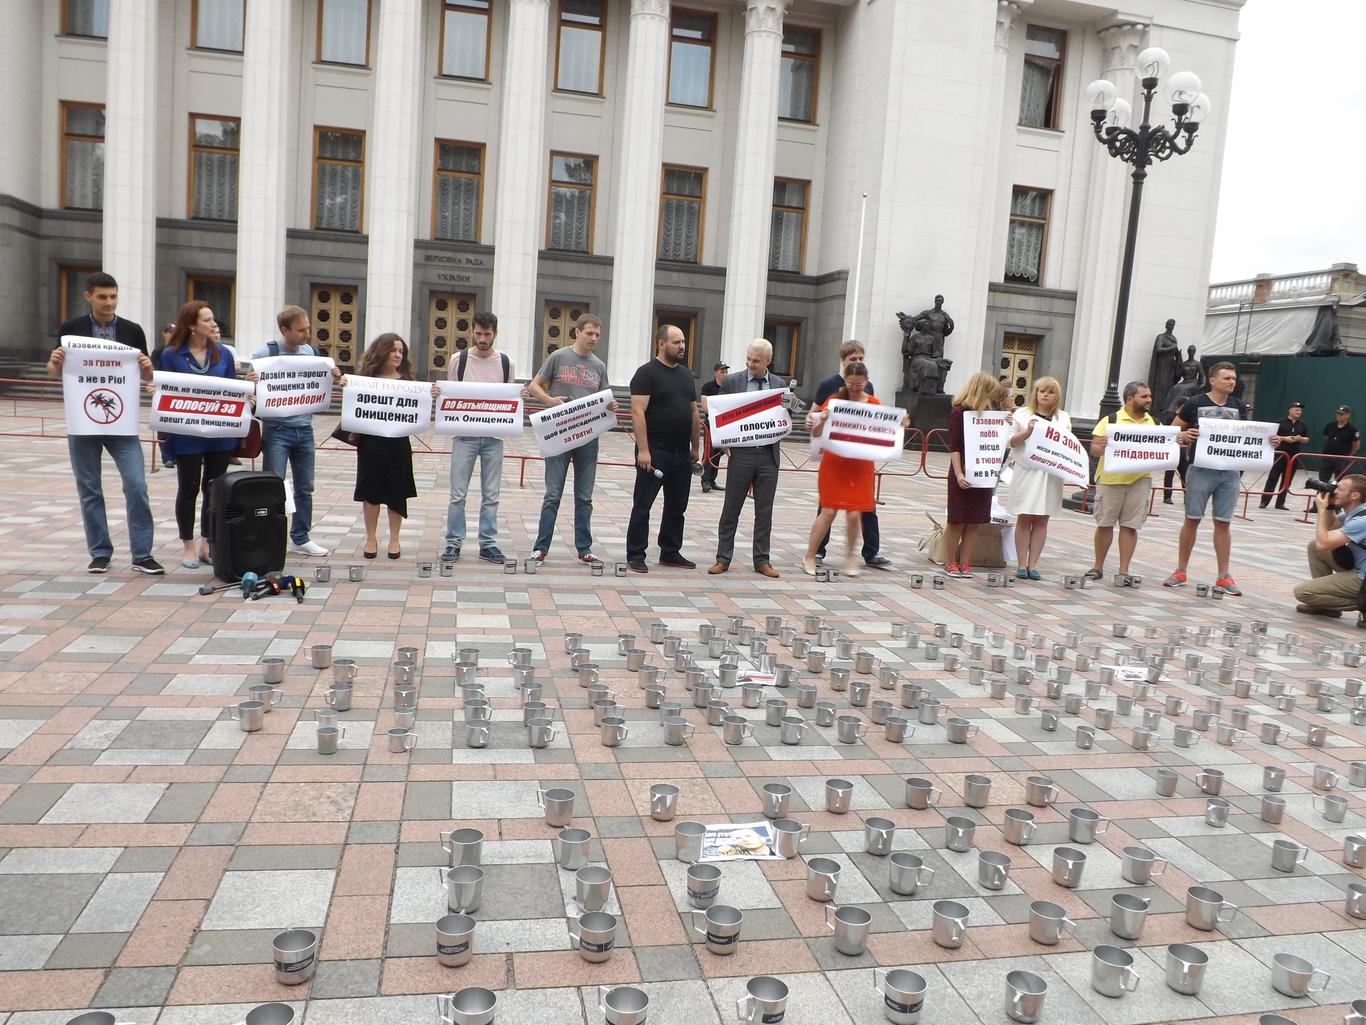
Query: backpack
point(464, 358)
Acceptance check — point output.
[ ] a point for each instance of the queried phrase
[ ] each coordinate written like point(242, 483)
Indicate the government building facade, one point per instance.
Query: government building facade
point(798, 170)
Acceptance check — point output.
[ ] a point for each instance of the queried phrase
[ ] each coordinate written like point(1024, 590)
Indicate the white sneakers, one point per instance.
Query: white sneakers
point(309, 548)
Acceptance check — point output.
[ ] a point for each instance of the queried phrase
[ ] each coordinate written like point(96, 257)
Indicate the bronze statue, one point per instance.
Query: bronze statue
point(922, 349)
point(1165, 368)
point(1193, 382)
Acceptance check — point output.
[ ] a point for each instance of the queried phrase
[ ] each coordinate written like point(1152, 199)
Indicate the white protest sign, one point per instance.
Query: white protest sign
point(292, 385)
point(863, 430)
point(202, 407)
point(1057, 453)
point(1235, 444)
point(1138, 449)
point(472, 409)
point(563, 428)
point(385, 408)
point(748, 419)
point(100, 382)
point(985, 438)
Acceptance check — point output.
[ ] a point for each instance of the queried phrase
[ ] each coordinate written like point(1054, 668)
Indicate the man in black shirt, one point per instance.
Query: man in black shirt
point(1340, 438)
point(666, 423)
point(872, 535)
point(1293, 433)
point(711, 458)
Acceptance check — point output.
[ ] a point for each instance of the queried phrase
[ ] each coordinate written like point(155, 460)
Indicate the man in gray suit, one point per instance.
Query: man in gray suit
point(750, 467)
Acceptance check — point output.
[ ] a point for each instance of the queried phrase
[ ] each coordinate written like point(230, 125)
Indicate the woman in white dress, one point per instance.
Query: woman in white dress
point(1034, 494)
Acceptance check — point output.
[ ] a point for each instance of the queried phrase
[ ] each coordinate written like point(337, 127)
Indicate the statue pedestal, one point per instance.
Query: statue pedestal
point(928, 413)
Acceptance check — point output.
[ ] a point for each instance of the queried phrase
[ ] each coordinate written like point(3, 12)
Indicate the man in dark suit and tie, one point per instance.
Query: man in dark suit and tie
point(750, 467)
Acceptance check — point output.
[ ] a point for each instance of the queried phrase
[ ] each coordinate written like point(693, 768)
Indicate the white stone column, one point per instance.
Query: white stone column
point(1103, 237)
point(996, 155)
point(130, 221)
point(519, 200)
point(269, 89)
point(751, 198)
point(637, 187)
point(391, 151)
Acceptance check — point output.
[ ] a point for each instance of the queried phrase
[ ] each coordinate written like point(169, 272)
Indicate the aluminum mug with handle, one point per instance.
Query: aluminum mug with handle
point(688, 841)
point(1206, 908)
point(1048, 923)
point(921, 793)
point(594, 935)
point(949, 924)
point(765, 1001)
point(838, 794)
point(1068, 866)
point(663, 801)
point(1040, 791)
point(902, 992)
point(1140, 866)
point(1293, 976)
point(878, 836)
point(1018, 826)
point(993, 869)
point(1186, 967)
point(959, 832)
point(1112, 971)
point(1287, 855)
point(558, 804)
point(788, 837)
point(822, 878)
point(1025, 994)
point(623, 1005)
point(851, 925)
point(719, 926)
point(1128, 913)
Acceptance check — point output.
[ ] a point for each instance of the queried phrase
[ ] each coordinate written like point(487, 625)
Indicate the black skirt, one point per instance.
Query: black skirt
point(384, 473)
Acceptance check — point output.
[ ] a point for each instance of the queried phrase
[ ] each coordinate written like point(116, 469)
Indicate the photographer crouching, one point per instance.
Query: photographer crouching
point(1337, 555)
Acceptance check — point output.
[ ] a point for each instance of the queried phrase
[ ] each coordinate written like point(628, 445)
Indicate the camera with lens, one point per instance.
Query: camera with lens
point(1323, 487)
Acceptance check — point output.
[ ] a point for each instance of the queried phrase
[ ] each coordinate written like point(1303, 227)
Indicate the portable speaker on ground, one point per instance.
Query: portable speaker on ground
point(250, 526)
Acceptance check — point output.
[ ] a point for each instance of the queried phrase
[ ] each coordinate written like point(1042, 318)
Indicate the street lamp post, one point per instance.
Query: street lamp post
point(1140, 147)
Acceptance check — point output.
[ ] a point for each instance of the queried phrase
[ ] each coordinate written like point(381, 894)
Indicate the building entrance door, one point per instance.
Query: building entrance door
point(1018, 354)
point(448, 331)
point(332, 309)
point(557, 328)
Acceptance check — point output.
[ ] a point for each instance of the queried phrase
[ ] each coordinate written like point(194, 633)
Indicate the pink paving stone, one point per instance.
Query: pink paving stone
point(656, 771)
point(305, 802)
point(135, 834)
point(559, 968)
point(355, 928)
point(365, 869)
point(39, 836)
point(260, 749)
point(587, 750)
point(49, 990)
point(788, 868)
point(737, 797)
point(37, 749)
point(232, 802)
point(807, 915)
point(427, 830)
point(533, 771)
point(610, 797)
point(163, 934)
point(194, 874)
point(1172, 928)
point(757, 957)
point(695, 797)
point(317, 773)
point(379, 802)
point(1014, 941)
point(632, 861)
point(402, 976)
point(222, 984)
point(536, 829)
point(1287, 919)
point(900, 948)
point(176, 774)
point(651, 916)
point(68, 721)
point(82, 774)
point(284, 833)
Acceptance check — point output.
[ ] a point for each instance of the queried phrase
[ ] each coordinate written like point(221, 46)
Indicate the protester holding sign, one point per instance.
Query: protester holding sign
point(1122, 498)
point(1035, 493)
point(844, 482)
point(1204, 414)
point(125, 340)
point(293, 383)
point(753, 399)
point(384, 465)
point(567, 374)
point(480, 364)
point(969, 505)
point(199, 459)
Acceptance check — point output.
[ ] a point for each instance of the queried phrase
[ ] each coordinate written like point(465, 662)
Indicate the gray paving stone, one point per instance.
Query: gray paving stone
point(662, 964)
point(215, 834)
point(135, 987)
point(106, 802)
point(87, 950)
point(44, 903)
point(270, 900)
point(31, 802)
point(299, 856)
point(118, 903)
point(350, 979)
point(24, 953)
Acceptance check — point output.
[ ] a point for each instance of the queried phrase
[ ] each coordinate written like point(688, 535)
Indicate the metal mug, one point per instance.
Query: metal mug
point(907, 873)
point(719, 926)
point(1084, 825)
point(1332, 807)
point(623, 1005)
point(1211, 781)
point(1040, 791)
point(464, 886)
point(792, 729)
point(1068, 865)
point(878, 836)
point(1186, 966)
point(613, 731)
point(1287, 855)
point(249, 715)
point(902, 992)
point(850, 729)
point(921, 793)
point(594, 935)
point(949, 924)
point(328, 739)
point(1128, 913)
point(1112, 971)
point(1293, 976)
point(571, 848)
point(688, 841)
point(1140, 866)
point(663, 801)
point(993, 869)
point(851, 925)
point(677, 730)
point(1025, 992)
point(1354, 851)
point(454, 940)
point(735, 730)
point(1048, 923)
point(838, 793)
point(765, 1000)
point(976, 790)
point(1166, 782)
point(540, 733)
point(788, 837)
point(958, 730)
point(704, 884)
point(463, 846)
point(776, 799)
point(822, 878)
point(1216, 812)
point(1356, 900)
point(295, 956)
point(1206, 908)
point(1018, 826)
point(558, 805)
point(1273, 778)
point(1325, 778)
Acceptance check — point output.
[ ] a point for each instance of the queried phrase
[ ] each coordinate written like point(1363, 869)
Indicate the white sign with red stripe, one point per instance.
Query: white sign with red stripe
point(472, 409)
point(202, 407)
point(748, 419)
point(863, 430)
point(292, 385)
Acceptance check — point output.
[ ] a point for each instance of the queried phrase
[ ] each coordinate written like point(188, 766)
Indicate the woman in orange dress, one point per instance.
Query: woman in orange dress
point(843, 483)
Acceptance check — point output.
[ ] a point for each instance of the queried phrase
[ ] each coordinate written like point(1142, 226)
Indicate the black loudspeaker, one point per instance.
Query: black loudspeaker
point(250, 527)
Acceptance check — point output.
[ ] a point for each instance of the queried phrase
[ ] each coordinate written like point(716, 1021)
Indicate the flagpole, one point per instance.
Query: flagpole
point(858, 268)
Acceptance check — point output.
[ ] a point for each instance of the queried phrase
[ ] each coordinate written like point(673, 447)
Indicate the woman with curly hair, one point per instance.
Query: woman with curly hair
point(384, 466)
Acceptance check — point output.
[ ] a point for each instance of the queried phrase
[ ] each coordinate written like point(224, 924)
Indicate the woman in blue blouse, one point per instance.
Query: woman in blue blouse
point(198, 461)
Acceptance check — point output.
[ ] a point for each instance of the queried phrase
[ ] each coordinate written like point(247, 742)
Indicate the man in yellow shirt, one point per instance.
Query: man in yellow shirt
point(1121, 498)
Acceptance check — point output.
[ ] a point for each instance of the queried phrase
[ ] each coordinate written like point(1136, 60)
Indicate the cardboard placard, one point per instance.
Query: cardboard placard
point(563, 428)
point(1133, 448)
point(1235, 444)
point(100, 384)
point(385, 408)
point(472, 409)
point(748, 419)
point(1057, 453)
point(292, 385)
point(201, 407)
point(986, 438)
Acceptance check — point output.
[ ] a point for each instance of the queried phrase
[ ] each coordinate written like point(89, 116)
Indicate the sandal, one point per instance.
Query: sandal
point(1093, 574)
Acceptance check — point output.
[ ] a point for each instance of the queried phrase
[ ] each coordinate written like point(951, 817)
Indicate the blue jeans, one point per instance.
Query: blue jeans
point(489, 451)
point(585, 460)
point(281, 443)
point(86, 454)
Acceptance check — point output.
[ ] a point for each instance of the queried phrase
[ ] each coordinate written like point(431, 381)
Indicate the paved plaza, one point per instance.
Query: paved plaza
point(150, 850)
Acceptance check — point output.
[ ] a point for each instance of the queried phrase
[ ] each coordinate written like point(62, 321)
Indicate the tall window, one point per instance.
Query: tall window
point(690, 57)
point(788, 238)
point(213, 167)
point(218, 293)
point(217, 25)
point(83, 156)
point(571, 202)
point(72, 291)
point(338, 179)
point(782, 335)
point(680, 214)
point(1042, 82)
point(685, 322)
point(459, 185)
point(800, 69)
point(86, 18)
point(344, 32)
point(1028, 235)
point(578, 62)
point(465, 39)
